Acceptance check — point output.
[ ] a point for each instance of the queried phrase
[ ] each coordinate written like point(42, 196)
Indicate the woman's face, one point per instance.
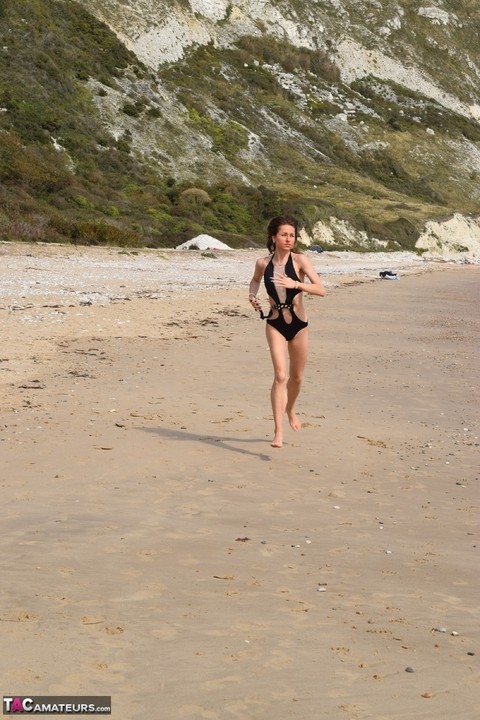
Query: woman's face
point(285, 237)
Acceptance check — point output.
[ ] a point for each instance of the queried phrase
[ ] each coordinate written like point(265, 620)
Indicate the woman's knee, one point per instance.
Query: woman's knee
point(280, 377)
point(296, 378)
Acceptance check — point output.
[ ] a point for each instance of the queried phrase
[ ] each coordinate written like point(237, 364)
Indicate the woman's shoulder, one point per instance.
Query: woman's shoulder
point(300, 258)
point(262, 262)
point(301, 262)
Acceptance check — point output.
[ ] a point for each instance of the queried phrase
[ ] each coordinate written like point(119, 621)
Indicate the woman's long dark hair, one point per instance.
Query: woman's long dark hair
point(273, 227)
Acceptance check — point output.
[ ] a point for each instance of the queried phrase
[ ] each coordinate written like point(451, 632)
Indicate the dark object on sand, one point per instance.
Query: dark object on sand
point(316, 248)
point(388, 275)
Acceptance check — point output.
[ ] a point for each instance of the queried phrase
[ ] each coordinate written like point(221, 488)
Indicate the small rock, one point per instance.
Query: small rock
point(409, 669)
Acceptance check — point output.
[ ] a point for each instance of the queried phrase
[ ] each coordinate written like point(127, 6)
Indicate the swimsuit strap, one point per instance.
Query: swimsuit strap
point(268, 279)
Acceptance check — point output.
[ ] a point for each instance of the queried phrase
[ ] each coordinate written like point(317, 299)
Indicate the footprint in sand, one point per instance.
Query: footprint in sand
point(66, 570)
point(219, 683)
point(146, 554)
point(278, 660)
point(18, 616)
point(99, 665)
point(22, 676)
point(114, 630)
point(236, 657)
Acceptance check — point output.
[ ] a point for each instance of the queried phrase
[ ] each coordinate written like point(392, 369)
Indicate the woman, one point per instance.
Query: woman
point(284, 272)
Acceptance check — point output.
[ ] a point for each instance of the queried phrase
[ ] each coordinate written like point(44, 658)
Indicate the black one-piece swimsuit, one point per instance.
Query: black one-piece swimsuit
point(287, 328)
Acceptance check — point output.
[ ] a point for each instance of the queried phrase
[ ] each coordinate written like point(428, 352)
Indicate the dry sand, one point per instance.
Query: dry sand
point(155, 548)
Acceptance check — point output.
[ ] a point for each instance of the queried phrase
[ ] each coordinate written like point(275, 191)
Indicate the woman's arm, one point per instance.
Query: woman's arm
point(315, 286)
point(255, 283)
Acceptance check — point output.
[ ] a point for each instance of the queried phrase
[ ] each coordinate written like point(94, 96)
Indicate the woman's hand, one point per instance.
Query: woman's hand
point(282, 280)
point(254, 302)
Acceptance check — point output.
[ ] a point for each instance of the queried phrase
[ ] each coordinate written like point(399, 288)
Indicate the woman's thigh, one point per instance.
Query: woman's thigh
point(278, 350)
point(298, 352)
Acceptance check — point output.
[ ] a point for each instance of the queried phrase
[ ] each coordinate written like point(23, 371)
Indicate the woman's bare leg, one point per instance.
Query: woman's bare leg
point(297, 350)
point(278, 393)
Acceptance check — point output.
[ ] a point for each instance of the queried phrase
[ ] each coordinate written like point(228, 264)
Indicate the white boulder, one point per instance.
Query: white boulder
point(203, 242)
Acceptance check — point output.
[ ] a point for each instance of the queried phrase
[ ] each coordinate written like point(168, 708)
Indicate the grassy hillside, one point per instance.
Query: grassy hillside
point(96, 148)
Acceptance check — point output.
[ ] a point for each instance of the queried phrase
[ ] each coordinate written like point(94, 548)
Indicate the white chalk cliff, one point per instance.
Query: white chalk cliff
point(429, 50)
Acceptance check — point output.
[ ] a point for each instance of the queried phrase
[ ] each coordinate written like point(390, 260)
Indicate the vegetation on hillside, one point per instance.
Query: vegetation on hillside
point(273, 115)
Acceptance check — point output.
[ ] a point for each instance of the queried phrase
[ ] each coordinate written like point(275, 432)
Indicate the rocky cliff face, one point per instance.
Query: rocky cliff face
point(400, 42)
point(394, 86)
point(361, 116)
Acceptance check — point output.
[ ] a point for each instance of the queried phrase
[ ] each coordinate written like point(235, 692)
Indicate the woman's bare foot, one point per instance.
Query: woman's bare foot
point(277, 441)
point(295, 423)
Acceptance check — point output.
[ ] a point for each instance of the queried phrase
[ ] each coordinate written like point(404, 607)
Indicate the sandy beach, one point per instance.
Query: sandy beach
point(156, 549)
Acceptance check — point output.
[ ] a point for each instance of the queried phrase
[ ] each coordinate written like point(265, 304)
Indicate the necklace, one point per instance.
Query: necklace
point(278, 263)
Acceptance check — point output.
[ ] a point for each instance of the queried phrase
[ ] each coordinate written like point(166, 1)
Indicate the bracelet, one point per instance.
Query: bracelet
point(251, 295)
point(296, 284)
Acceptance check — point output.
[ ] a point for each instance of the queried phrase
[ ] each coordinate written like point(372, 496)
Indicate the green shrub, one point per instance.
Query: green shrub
point(94, 233)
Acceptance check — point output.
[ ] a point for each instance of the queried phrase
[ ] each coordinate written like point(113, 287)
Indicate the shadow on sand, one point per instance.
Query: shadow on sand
point(215, 441)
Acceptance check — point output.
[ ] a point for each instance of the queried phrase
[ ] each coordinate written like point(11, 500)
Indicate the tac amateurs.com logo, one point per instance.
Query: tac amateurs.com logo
point(57, 705)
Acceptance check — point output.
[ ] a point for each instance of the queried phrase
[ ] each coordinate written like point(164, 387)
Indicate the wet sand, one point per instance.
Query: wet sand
point(155, 547)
